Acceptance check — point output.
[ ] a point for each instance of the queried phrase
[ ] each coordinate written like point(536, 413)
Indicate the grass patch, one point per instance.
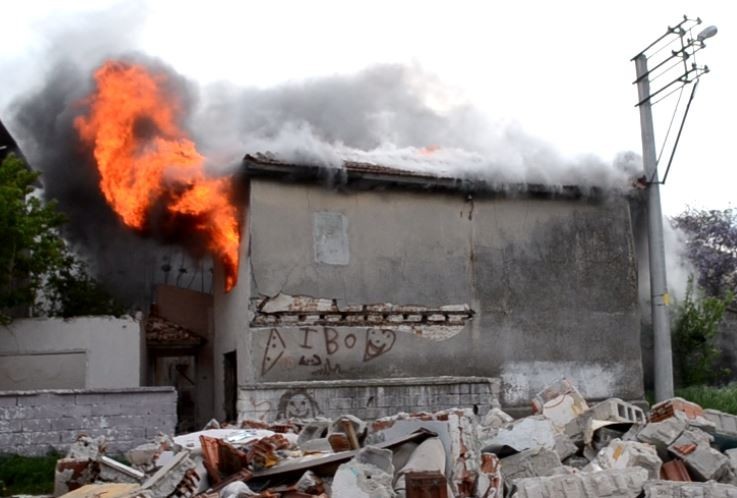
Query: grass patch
point(722, 398)
point(27, 475)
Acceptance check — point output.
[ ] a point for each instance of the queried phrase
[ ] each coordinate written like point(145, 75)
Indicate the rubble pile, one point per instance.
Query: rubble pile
point(566, 448)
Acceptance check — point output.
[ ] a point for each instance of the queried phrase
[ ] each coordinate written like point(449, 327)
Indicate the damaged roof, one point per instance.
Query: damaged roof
point(363, 175)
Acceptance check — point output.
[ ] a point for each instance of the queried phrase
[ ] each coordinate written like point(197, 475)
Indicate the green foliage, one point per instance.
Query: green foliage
point(37, 270)
point(72, 292)
point(718, 398)
point(31, 246)
point(693, 338)
point(27, 475)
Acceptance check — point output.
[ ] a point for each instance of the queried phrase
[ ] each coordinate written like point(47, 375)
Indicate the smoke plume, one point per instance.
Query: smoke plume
point(387, 114)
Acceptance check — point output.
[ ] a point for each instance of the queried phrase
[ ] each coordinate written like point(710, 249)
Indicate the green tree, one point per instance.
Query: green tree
point(31, 247)
point(37, 270)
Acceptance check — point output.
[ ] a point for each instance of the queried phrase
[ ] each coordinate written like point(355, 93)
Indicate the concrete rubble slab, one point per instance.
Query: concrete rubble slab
point(625, 454)
point(671, 489)
point(534, 462)
point(530, 432)
point(616, 483)
point(368, 475)
point(703, 462)
point(725, 428)
point(429, 456)
point(560, 402)
point(662, 434)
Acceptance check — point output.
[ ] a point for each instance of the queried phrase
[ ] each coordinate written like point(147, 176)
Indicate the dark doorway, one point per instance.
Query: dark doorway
point(231, 386)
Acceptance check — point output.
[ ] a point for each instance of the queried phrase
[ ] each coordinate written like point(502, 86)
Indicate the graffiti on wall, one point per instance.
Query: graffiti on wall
point(324, 350)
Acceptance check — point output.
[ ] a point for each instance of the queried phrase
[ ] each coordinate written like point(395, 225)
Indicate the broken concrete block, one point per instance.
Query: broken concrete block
point(429, 456)
point(353, 427)
point(675, 407)
point(625, 454)
point(177, 476)
point(615, 483)
point(564, 446)
point(309, 483)
point(662, 434)
point(536, 431)
point(490, 483)
point(671, 489)
point(560, 402)
point(236, 489)
point(535, 462)
point(703, 462)
point(608, 412)
point(368, 475)
point(315, 429)
point(725, 428)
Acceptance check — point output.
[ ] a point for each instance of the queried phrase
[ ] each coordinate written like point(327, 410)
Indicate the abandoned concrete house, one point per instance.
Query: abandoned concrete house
point(379, 290)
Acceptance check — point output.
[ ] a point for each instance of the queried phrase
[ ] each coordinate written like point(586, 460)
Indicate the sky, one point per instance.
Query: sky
point(561, 71)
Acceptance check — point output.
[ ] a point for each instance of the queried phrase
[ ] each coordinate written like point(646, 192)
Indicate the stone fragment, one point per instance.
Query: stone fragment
point(624, 454)
point(309, 483)
point(492, 422)
point(662, 434)
point(314, 429)
point(368, 475)
point(703, 462)
point(177, 476)
point(561, 402)
point(530, 432)
point(564, 446)
point(615, 483)
point(672, 489)
point(534, 462)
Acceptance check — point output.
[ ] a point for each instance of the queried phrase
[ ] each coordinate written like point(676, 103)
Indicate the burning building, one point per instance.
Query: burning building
point(367, 288)
point(374, 290)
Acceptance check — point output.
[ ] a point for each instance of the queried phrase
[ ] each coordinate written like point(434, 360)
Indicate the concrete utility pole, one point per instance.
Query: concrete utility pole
point(682, 54)
point(658, 287)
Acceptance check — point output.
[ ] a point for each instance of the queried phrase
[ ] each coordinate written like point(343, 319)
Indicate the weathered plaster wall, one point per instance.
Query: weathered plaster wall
point(84, 352)
point(552, 284)
point(367, 399)
point(231, 321)
point(34, 422)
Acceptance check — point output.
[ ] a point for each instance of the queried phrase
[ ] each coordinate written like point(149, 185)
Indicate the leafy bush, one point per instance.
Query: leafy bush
point(718, 398)
point(693, 338)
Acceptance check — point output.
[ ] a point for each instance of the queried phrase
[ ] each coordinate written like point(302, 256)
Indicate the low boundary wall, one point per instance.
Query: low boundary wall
point(36, 422)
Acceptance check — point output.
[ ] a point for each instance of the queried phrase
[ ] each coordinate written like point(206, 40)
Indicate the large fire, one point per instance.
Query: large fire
point(146, 160)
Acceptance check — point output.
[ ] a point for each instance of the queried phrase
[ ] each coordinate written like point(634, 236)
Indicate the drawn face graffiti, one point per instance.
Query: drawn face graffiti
point(378, 342)
point(297, 403)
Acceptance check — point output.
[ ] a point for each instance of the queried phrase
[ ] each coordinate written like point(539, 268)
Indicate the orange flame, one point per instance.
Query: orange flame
point(145, 158)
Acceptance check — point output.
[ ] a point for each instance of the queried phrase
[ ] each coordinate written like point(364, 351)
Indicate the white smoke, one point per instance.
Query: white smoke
point(391, 115)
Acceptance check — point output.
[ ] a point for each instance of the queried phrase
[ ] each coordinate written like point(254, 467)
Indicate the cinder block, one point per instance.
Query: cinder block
point(65, 424)
point(46, 399)
point(8, 401)
point(36, 425)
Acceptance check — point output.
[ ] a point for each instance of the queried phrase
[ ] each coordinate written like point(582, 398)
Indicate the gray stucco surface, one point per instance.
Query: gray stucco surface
point(552, 283)
point(34, 422)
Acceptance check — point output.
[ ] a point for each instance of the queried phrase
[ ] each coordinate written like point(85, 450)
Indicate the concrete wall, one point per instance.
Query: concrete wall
point(366, 399)
point(552, 284)
point(231, 320)
point(85, 352)
point(35, 422)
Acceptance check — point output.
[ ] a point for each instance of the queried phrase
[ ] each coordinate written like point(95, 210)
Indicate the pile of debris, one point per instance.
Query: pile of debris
point(565, 449)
